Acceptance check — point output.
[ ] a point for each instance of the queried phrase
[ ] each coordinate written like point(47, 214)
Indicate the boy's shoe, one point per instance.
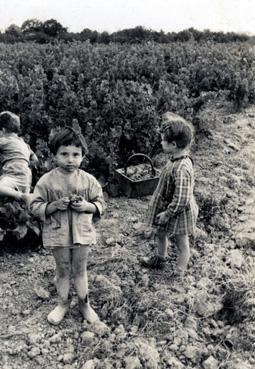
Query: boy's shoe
point(153, 262)
point(56, 316)
point(88, 312)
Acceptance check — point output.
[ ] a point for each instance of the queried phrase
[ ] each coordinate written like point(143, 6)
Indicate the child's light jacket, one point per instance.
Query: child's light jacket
point(67, 228)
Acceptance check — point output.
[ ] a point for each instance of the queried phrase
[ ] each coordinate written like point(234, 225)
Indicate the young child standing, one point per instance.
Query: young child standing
point(65, 200)
point(173, 210)
point(16, 155)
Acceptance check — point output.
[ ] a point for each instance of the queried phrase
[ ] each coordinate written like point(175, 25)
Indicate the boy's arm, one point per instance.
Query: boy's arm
point(182, 193)
point(97, 198)
point(60, 204)
point(50, 208)
point(40, 205)
point(39, 201)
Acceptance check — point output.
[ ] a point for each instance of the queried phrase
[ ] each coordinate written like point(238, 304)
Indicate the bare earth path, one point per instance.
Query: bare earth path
point(149, 320)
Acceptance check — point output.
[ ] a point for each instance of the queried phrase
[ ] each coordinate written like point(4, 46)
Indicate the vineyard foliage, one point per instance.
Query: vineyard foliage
point(118, 92)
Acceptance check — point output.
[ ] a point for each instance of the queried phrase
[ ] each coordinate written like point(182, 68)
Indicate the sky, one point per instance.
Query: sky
point(113, 15)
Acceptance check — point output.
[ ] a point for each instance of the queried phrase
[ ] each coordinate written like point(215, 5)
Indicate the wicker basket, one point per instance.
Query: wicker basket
point(136, 188)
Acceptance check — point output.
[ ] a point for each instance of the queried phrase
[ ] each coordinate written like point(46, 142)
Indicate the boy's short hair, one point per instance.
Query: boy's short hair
point(9, 121)
point(67, 137)
point(177, 129)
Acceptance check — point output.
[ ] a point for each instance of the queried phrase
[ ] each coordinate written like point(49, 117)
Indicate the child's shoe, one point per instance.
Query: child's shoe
point(154, 262)
point(88, 312)
point(56, 316)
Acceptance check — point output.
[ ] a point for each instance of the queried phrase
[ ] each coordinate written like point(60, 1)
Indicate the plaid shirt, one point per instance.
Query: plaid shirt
point(174, 194)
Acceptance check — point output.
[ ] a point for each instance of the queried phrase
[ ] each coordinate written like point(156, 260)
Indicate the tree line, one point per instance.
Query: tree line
point(51, 30)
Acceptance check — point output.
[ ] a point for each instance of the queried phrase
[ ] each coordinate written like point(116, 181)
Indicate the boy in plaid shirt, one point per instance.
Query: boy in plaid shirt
point(173, 210)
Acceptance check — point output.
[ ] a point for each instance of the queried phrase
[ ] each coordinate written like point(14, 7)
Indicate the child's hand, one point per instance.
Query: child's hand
point(34, 161)
point(79, 204)
point(34, 165)
point(62, 204)
point(162, 218)
point(149, 233)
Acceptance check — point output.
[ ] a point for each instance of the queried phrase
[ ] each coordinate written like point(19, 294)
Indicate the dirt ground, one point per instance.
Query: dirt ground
point(149, 320)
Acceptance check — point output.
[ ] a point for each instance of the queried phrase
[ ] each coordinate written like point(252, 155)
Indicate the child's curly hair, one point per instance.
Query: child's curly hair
point(67, 137)
point(177, 129)
point(10, 122)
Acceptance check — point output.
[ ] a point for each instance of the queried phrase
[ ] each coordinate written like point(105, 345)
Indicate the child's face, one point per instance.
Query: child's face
point(168, 147)
point(69, 158)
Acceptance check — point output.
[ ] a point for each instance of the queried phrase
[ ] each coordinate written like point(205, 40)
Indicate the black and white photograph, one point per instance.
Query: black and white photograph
point(127, 184)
